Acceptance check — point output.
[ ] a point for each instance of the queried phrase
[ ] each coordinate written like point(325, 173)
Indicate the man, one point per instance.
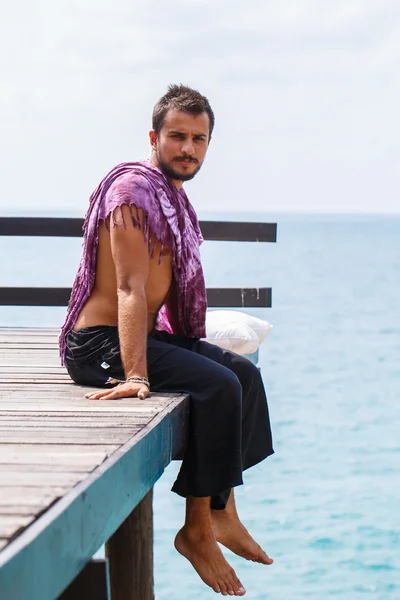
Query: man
point(136, 316)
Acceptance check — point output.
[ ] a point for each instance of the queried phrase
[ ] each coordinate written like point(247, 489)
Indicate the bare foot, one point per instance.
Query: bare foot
point(231, 532)
point(206, 557)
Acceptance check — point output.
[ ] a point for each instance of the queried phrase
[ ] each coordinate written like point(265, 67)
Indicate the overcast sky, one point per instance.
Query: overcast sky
point(306, 95)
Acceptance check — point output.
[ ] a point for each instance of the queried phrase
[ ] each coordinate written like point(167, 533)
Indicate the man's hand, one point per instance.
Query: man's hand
point(123, 390)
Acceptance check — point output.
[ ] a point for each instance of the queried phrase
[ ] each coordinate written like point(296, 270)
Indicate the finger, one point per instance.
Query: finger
point(143, 393)
point(119, 392)
point(94, 395)
point(116, 393)
point(102, 395)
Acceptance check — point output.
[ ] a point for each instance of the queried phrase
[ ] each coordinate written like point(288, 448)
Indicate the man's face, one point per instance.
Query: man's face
point(181, 145)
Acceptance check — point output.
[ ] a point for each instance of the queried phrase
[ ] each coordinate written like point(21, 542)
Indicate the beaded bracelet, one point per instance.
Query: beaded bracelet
point(138, 380)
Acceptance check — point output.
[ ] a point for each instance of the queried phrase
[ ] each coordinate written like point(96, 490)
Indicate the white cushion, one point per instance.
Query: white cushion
point(236, 331)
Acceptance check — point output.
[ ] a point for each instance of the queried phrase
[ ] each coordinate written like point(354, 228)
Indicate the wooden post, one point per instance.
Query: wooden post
point(130, 555)
point(91, 584)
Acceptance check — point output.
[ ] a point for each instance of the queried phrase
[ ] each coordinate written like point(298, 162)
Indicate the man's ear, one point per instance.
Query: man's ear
point(153, 139)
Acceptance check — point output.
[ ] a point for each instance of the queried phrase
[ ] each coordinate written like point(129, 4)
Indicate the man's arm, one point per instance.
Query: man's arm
point(131, 259)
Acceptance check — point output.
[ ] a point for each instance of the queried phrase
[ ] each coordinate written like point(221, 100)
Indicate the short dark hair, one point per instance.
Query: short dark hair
point(182, 98)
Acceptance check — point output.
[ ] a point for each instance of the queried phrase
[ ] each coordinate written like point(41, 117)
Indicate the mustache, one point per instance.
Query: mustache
point(186, 159)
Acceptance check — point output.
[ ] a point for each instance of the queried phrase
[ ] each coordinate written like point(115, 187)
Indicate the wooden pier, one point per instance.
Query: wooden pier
point(72, 471)
point(77, 473)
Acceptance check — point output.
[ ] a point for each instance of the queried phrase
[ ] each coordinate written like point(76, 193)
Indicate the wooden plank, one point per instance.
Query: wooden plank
point(216, 297)
point(81, 521)
point(238, 231)
point(50, 380)
point(29, 358)
point(28, 422)
point(16, 348)
point(45, 352)
point(26, 337)
point(50, 357)
point(58, 397)
point(31, 330)
point(6, 340)
point(69, 467)
point(30, 345)
point(66, 417)
point(112, 435)
point(13, 370)
point(50, 453)
point(61, 464)
point(41, 389)
point(16, 403)
point(35, 478)
point(75, 394)
point(11, 524)
point(40, 296)
point(21, 509)
point(70, 402)
point(72, 227)
point(41, 496)
point(63, 397)
point(41, 226)
point(243, 297)
point(59, 379)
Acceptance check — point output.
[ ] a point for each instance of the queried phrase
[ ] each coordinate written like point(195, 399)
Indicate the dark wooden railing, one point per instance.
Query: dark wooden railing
point(72, 227)
point(222, 231)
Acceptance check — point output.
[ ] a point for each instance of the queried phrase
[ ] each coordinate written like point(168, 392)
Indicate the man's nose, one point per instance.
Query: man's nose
point(188, 148)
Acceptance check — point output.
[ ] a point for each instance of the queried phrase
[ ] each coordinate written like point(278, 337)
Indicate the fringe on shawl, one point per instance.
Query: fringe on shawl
point(150, 236)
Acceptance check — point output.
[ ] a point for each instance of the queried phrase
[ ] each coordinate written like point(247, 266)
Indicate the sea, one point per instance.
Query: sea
point(326, 505)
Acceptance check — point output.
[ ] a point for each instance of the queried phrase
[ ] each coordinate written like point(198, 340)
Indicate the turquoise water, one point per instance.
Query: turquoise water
point(326, 505)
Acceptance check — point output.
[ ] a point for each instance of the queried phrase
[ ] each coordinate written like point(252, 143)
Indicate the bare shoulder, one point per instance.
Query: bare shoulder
point(130, 187)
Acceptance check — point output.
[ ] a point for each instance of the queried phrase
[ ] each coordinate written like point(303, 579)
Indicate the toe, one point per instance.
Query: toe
point(222, 587)
point(231, 587)
point(262, 557)
point(266, 559)
point(238, 588)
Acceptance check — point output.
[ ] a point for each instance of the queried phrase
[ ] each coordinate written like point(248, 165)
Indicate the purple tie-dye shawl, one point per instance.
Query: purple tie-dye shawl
point(168, 215)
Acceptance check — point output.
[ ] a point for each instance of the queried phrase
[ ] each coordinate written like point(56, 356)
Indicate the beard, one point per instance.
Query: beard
point(169, 171)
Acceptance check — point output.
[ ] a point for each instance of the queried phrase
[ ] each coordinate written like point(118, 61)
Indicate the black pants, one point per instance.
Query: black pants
point(229, 427)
